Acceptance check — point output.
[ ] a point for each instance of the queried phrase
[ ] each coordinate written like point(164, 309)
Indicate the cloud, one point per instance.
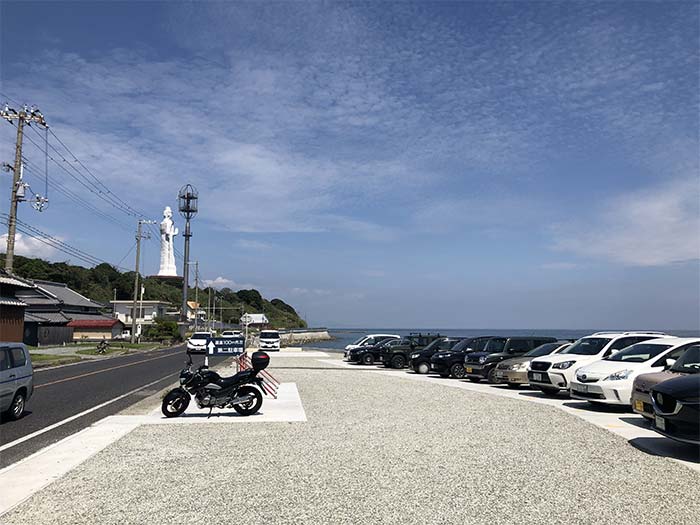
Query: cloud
point(650, 227)
point(29, 247)
point(310, 291)
point(223, 282)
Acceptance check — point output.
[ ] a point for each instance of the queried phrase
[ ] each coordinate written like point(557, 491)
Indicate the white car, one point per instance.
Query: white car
point(554, 373)
point(610, 379)
point(197, 343)
point(231, 333)
point(369, 340)
point(269, 340)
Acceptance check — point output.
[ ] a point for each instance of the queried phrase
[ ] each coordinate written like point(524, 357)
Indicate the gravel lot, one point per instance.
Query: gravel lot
point(374, 450)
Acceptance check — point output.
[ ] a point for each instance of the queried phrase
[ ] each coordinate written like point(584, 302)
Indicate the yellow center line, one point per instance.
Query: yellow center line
point(101, 371)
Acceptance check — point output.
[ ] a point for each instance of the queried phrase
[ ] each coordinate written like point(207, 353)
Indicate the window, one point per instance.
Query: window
point(518, 346)
point(4, 359)
point(18, 357)
point(587, 346)
point(689, 362)
point(495, 345)
point(674, 354)
point(638, 353)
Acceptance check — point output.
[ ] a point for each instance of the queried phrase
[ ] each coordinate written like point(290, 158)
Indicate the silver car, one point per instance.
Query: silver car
point(16, 379)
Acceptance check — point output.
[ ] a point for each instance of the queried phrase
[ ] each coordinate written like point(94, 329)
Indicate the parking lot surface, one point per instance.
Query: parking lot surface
point(375, 449)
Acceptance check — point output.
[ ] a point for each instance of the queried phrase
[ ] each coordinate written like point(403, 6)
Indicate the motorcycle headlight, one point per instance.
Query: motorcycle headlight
point(564, 365)
point(482, 359)
point(620, 374)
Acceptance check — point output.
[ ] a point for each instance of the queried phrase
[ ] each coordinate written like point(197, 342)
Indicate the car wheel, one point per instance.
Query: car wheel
point(398, 361)
point(368, 359)
point(492, 377)
point(549, 391)
point(17, 407)
point(457, 371)
point(422, 368)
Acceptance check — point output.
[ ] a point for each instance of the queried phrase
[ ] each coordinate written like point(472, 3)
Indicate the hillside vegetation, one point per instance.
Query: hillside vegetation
point(99, 284)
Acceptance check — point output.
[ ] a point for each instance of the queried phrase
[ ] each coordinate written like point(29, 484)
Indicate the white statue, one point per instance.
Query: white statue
point(167, 253)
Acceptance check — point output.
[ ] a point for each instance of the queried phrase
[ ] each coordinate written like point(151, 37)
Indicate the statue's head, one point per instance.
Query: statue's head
point(167, 212)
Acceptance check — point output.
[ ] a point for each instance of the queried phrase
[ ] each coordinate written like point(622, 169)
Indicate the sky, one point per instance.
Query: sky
point(445, 165)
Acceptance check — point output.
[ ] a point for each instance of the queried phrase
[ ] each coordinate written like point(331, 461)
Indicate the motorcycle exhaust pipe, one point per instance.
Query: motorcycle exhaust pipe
point(242, 399)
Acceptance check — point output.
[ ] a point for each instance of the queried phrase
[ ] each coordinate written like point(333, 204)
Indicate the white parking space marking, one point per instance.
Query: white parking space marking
point(628, 425)
point(24, 478)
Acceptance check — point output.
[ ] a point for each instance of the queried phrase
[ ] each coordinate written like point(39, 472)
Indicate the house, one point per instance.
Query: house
point(11, 307)
point(96, 329)
point(194, 311)
point(146, 311)
point(50, 308)
point(254, 320)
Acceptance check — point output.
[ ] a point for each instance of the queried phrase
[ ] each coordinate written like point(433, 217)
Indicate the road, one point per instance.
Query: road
point(86, 392)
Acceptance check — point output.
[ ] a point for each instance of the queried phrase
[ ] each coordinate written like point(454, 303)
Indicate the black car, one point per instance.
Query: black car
point(482, 365)
point(397, 356)
point(367, 355)
point(450, 362)
point(676, 405)
point(419, 360)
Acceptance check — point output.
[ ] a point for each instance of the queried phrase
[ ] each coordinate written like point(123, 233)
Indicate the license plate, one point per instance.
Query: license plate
point(500, 375)
point(582, 388)
point(660, 423)
point(639, 405)
point(468, 370)
point(536, 376)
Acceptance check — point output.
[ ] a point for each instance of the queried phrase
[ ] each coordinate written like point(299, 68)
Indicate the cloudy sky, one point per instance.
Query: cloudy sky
point(500, 165)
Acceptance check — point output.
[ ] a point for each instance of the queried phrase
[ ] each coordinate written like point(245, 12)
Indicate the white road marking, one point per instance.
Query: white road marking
point(76, 416)
point(26, 477)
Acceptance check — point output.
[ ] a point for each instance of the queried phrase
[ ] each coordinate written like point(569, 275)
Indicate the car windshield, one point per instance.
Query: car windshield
point(463, 344)
point(435, 345)
point(391, 342)
point(587, 346)
point(359, 340)
point(200, 335)
point(689, 362)
point(541, 350)
point(269, 335)
point(638, 353)
point(497, 344)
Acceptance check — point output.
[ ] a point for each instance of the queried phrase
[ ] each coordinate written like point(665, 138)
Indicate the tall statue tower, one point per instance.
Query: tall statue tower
point(167, 253)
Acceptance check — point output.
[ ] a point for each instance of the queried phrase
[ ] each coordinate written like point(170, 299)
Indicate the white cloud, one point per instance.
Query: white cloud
point(223, 282)
point(310, 291)
point(650, 227)
point(29, 247)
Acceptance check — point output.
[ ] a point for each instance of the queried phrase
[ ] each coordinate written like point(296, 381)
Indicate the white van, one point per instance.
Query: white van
point(269, 340)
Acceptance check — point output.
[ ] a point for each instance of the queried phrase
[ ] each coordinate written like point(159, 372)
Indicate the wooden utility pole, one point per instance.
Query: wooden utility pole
point(139, 236)
point(28, 116)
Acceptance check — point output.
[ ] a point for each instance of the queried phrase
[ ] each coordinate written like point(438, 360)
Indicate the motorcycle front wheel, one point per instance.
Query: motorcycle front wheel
point(175, 403)
point(250, 407)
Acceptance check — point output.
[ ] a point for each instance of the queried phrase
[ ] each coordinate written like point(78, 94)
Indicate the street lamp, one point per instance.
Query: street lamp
point(187, 205)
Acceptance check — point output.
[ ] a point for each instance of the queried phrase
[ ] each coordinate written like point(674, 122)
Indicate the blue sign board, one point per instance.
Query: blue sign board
point(226, 346)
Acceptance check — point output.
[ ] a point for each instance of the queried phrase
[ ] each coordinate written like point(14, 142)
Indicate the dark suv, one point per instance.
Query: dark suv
point(368, 354)
point(482, 365)
point(419, 360)
point(450, 362)
point(397, 356)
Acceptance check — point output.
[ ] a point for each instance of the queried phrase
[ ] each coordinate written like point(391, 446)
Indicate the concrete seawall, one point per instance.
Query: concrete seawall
point(301, 338)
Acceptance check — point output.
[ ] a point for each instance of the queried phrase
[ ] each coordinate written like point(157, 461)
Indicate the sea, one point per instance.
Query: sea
point(346, 336)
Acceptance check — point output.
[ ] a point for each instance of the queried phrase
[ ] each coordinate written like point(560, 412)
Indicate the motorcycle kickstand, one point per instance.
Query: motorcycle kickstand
point(210, 409)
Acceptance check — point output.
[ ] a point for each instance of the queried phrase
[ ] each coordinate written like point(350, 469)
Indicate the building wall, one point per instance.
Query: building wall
point(11, 323)
point(47, 335)
point(80, 334)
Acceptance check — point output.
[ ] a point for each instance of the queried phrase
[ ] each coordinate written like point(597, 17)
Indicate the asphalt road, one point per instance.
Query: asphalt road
point(64, 392)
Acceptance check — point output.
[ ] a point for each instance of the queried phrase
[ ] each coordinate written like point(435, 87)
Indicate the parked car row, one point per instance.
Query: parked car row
point(197, 342)
point(654, 373)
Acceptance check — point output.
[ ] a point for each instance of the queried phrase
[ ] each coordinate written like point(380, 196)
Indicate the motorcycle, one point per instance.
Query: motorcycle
point(210, 390)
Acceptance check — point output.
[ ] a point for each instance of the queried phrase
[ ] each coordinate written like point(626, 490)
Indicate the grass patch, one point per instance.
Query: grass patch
point(43, 360)
point(110, 350)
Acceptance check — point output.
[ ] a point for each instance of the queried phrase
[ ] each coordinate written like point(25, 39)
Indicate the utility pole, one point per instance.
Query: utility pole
point(187, 204)
point(209, 308)
point(139, 236)
point(25, 115)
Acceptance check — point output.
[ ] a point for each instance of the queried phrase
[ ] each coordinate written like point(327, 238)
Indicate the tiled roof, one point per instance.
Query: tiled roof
point(96, 322)
point(11, 301)
point(6, 278)
point(66, 295)
point(45, 317)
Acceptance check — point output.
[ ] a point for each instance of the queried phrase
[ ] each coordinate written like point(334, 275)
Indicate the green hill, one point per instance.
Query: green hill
point(102, 282)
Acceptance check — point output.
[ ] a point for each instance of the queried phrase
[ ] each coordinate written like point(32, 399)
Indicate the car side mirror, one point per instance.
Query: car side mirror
point(669, 363)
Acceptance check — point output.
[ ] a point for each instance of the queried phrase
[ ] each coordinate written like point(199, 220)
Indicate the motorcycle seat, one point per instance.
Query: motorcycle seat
point(240, 377)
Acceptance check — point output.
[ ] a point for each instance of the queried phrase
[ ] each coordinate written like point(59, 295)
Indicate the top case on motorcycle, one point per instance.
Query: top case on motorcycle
point(260, 360)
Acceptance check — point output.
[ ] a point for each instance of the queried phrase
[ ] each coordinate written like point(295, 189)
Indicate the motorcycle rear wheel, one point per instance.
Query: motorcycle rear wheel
point(252, 406)
point(175, 403)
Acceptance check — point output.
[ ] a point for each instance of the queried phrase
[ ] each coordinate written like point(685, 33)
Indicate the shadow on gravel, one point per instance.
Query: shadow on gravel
point(667, 448)
point(590, 407)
